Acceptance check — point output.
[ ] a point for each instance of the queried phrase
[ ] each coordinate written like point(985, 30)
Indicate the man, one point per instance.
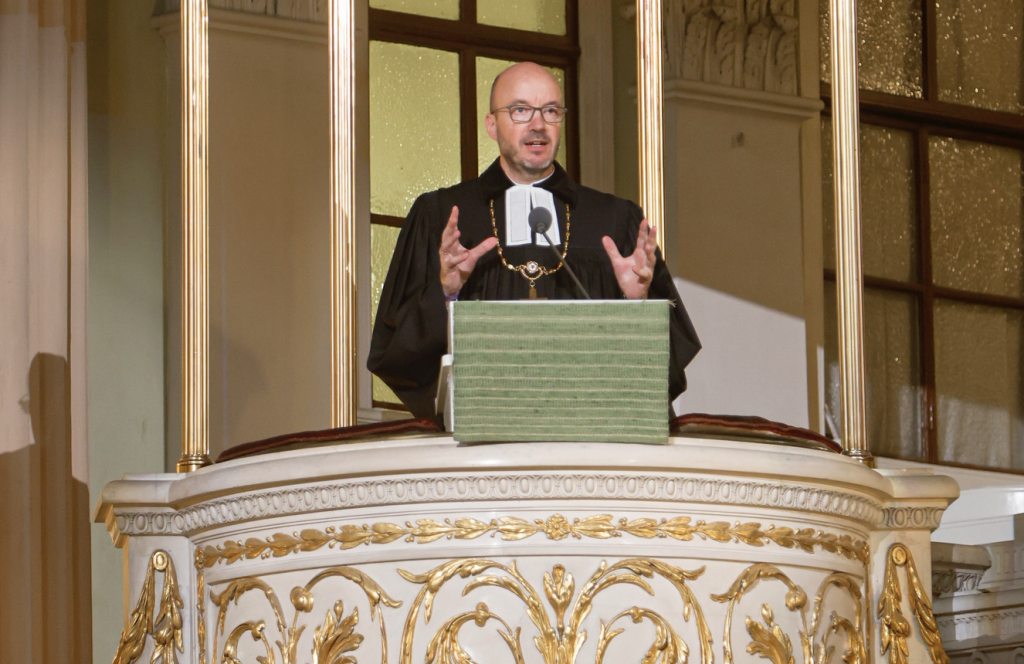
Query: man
point(473, 242)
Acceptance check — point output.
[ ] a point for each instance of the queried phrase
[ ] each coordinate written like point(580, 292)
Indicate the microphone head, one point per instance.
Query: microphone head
point(540, 220)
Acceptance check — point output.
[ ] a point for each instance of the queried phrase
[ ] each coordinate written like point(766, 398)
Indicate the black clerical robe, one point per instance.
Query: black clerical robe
point(410, 334)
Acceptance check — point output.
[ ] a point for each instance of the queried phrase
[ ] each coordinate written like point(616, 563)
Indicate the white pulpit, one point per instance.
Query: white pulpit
point(418, 549)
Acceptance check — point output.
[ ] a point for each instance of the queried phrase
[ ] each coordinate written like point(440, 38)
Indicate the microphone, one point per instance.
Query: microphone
point(540, 222)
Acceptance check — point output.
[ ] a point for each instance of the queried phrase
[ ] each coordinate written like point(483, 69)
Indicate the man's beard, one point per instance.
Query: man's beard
point(512, 155)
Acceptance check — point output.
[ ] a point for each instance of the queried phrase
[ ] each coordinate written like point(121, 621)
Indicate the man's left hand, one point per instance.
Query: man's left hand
point(635, 271)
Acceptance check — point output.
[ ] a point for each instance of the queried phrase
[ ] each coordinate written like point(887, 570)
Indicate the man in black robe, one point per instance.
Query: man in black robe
point(455, 245)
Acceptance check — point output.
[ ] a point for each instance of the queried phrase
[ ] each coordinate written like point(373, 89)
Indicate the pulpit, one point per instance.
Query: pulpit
point(411, 547)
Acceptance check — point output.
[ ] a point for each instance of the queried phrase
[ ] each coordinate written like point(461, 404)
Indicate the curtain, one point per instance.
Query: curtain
point(44, 529)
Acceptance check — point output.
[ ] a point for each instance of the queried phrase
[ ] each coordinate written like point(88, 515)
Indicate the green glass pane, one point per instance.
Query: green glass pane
point(533, 15)
point(978, 383)
point(487, 69)
point(980, 53)
point(437, 8)
point(414, 124)
point(889, 39)
point(888, 201)
point(382, 247)
point(977, 217)
point(891, 370)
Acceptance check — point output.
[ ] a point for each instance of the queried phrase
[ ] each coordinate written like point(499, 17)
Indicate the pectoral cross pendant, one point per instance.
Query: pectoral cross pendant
point(533, 293)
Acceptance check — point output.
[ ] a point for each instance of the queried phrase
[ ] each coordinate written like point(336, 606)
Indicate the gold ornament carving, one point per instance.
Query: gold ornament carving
point(336, 637)
point(555, 527)
point(200, 604)
point(559, 643)
point(893, 624)
point(331, 640)
point(770, 642)
point(166, 630)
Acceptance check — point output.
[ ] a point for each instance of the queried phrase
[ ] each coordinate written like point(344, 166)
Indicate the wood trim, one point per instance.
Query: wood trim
point(926, 327)
point(411, 29)
point(387, 220)
point(467, 113)
point(387, 405)
point(937, 113)
point(985, 299)
point(929, 55)
point(571, 129)
point(881, 283)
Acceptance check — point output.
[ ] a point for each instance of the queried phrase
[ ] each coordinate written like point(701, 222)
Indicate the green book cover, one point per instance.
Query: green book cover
point(560, 371)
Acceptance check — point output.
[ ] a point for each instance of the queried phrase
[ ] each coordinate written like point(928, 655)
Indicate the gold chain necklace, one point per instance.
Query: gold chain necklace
point(531, 270)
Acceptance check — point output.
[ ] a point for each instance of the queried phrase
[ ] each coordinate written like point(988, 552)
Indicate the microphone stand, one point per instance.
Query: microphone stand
point(567, 268)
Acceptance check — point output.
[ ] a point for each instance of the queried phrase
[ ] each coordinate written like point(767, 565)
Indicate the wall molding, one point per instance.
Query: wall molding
point(491, 487)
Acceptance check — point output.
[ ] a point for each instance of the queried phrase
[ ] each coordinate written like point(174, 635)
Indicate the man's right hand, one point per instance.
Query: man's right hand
point(457, 262)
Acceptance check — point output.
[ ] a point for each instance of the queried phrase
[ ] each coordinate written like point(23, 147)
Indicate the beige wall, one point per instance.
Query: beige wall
point(127, 127)
point(743, 227)
point(269, 229)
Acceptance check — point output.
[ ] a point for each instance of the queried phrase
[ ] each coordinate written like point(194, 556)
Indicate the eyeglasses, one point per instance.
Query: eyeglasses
point(521, 113)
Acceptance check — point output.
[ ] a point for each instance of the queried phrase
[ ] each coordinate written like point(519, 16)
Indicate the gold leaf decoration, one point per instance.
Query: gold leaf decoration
point(332, 638)
point(200, 604)
point(769, 641)
point(257, 630)
point(555, 527)
point(796, 600)
point(445, 648)
point(166, 630)
point(559, 588)
point(336, 637)
point(559, 644)
point(668, 647)
point(855, 653)
point(893, 625)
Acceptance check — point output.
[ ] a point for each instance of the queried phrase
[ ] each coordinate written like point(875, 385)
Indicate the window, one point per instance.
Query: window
point(431, 67)
point(942, 134)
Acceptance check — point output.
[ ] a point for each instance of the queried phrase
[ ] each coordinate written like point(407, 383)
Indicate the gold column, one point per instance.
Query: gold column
point(849, 279)
point(344, 395)
point(195, 442)
point(649, 111)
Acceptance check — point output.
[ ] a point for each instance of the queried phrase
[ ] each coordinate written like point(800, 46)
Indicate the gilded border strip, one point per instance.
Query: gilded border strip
point(555, 527)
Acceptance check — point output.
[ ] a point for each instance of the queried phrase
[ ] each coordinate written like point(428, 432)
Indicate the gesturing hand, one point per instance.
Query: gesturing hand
point(635, 271)
point(457, 262)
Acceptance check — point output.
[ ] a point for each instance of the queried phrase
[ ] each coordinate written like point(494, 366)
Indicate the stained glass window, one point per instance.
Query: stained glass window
point(533, 15)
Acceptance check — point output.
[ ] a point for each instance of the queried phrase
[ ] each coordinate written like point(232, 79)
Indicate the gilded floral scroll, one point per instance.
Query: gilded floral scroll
point(559, 640)
point(335, 637)
point(768, 639)
point(894, 627)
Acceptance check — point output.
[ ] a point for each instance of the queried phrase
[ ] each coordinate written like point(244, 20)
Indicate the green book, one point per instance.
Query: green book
point(560, 371)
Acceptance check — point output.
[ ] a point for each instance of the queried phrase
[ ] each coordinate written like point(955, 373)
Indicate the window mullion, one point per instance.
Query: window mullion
point(467, 104)
point(467, 11)
point(929, 54)
point(929, 431)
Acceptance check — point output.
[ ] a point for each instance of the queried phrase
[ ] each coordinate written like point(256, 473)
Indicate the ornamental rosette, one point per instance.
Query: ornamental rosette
point(557, 527)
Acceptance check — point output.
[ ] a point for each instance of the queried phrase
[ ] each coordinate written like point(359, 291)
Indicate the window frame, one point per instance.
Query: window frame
point(470, 39)
point(925, 117)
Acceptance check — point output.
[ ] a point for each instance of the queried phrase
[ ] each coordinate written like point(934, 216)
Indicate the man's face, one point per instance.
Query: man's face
point(527, 149)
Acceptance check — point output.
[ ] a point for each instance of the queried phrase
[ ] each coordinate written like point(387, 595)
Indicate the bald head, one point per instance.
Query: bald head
point(520, 77)
point(527, 148)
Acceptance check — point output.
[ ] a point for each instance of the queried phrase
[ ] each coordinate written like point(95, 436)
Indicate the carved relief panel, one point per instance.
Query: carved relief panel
point(748, 44)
